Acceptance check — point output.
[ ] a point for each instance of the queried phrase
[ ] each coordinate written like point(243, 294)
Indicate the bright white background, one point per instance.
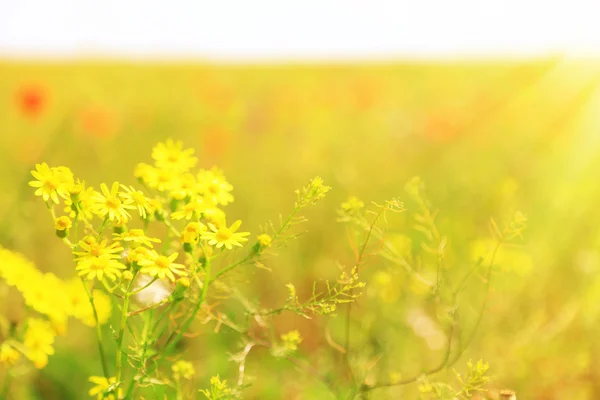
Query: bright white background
point(307, 29)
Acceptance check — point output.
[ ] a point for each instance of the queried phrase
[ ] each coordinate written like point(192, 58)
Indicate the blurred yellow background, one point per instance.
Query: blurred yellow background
point(486, 138)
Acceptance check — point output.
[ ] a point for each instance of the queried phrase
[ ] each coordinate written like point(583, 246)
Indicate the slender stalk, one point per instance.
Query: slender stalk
point(170, 345)
point(98, 331)
point(359, 260)
point(119, 360)
point(5, 386)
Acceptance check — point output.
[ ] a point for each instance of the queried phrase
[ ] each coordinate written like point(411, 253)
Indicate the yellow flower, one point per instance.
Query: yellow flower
point(144, 172)
point(138, 254)
point(264, 240)
point(170, 155)
point(136, 236)
point(84, 202)
point(17, 270)
point(80, 306)
point(49, 183)
point(8, 355)
point(98, 267)
point(190, 210)
point(183, 369)
point(62, 223)
point(103, 386)
point(108, 204)
point(137, 199)
point(191, 232)
point(185, 186)
point(45, 293)
point(214, 187)
point(92, 249)
point(38, 341)
point(353, 205)
point(162, 266)
point(224, 236)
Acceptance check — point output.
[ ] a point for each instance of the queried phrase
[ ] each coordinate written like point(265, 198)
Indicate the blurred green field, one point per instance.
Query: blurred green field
point(487, 138)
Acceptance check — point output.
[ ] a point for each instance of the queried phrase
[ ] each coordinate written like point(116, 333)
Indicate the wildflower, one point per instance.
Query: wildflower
point(311, 193)
point(185, 186)
point(144, 172)
point(191, 232)
point(291, 340)
point(92, 249)
point(49, 184)
point(218, 389)
point(138, 254)
point(214, 215)
point(8, 355)
point(183, 369)
point(264, 240)
point(214, 187)
point(103, 387)
point(98, 267)
point(31, 100)
point(170, 155)
point(80, 205)
point(163, 180)
point(224, 236)
point(137, 199)
point(16, 270)
point(190, 210)
point(162, 266)
point(62, 226)
point(352, 206)
point(45, 293)
point(136, 236)
point(38, 341)
point(80, 306)
point(109, 205)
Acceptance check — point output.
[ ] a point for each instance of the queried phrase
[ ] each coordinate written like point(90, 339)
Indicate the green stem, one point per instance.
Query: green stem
point(5, 386)
point(119, 360)
point(170, 346)
point(98, 331)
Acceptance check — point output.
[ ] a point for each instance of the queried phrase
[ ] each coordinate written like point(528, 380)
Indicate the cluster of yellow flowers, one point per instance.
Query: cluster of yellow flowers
point(54, 299)
point(172, 193)
point(179, 194)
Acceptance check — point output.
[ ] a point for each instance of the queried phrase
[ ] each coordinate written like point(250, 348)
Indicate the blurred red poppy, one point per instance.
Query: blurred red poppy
point(31, 100)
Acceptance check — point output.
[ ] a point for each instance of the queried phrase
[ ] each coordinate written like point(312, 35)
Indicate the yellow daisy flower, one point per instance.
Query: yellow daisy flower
point(98, 267)
point(214, 187)
point(162, 266)
point(185, 186)
point(224, 236)
point(49, 183)
point(138, 200)
point(38, 341)
point(109, 204)
point(92, 249)
point(171, 155)
point(193, 209)
point(144, 172)
point(136, 236)
point(84, 200)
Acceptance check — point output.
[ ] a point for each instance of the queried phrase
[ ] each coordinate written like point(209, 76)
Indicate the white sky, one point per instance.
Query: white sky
point(298, 29)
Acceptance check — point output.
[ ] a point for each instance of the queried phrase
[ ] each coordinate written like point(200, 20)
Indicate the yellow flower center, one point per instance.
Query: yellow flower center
point(162, 262)
point(138, 197)
point(224, 234)
point(113, 203)
point(96, 250)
